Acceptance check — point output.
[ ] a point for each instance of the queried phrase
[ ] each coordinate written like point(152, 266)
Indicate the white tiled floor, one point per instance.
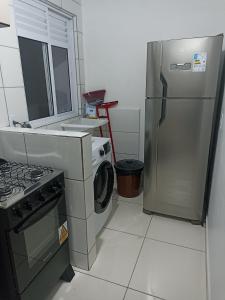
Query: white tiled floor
point(129, 218)
point(140, 257)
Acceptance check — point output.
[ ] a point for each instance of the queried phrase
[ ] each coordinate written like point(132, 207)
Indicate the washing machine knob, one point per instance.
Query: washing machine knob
point(101, 152)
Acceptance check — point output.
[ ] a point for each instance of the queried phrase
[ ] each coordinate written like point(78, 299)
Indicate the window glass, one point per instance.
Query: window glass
point(62, 79)
point(37, 81)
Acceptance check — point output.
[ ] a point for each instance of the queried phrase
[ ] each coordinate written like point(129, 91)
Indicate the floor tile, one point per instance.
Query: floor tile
point(117, 254)
point(177, 232)
point(128, 217)
point(134, 295)
point(84, 287)
point(170, 272)
point(138, 199)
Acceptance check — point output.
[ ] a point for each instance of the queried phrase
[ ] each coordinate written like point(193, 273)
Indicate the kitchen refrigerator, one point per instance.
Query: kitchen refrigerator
point(180, 117)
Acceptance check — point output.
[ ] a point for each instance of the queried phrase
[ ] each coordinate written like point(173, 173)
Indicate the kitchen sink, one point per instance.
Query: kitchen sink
point(83, 124)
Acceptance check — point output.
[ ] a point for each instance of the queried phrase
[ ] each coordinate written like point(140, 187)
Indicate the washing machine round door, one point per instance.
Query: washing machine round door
point(103, 186)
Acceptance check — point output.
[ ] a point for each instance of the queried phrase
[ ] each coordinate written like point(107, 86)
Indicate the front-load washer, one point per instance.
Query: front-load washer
point(103, 180)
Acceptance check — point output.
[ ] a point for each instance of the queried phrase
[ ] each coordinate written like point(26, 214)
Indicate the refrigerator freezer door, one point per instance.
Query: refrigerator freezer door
point(176, 156)
point(191, 66)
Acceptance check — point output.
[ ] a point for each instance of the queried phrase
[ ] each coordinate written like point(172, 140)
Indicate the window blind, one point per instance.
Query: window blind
point(36, 21)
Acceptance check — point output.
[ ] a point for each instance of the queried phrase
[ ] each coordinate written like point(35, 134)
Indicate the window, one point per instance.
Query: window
point(37, 81)
point(62, 82)
point(47, 56)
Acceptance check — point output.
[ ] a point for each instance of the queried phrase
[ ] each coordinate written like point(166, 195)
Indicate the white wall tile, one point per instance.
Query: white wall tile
point(125, 119)
point(83, 261)
point(89, 195)
point(87, 156)
point(3, 110)
point(120, 156)
point(79, 260)
point(82, 235)
point(80, 45)
point(77, 66)
point(17, 104)
point(92, 256)
point(79, 198)
point(56, 2)
point(12, 146)
point(77, 235)
point(8, 35)
point(56, 151)
point(75, 198)
point(91, 231)
point(11, 67)
point(82, 72)
point(126, 142)
point(76, 48)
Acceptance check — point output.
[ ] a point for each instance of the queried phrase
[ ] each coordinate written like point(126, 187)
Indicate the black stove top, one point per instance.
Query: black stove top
point(18, 177)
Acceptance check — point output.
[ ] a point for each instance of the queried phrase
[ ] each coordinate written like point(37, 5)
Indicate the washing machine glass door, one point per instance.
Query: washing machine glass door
point(103, 186)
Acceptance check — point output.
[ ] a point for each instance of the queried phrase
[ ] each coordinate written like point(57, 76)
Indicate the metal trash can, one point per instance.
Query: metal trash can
point(129, 177)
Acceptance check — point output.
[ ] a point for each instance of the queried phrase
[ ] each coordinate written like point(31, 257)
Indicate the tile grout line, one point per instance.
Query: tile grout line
point(145, 236)
point(144, 293)
point(88, 274)
point(137, 258)
point(149, 238)
point(133, 234)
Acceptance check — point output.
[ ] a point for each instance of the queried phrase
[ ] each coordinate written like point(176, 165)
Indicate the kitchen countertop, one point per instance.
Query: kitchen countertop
point(74, 134)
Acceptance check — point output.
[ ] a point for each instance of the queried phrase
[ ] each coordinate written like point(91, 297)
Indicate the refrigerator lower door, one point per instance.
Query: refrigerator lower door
point(176, 155)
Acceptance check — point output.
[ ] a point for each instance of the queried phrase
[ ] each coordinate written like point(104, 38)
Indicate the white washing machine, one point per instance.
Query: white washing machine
point(103, 180)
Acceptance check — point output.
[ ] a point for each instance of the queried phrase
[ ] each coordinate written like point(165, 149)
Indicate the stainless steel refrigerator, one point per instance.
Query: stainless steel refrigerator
point(182, 78)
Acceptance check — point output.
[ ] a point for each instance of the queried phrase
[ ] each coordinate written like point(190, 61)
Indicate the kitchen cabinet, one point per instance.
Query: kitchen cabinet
point(4, 13)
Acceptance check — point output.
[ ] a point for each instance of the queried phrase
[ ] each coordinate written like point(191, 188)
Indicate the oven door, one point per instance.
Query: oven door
point(35, 241)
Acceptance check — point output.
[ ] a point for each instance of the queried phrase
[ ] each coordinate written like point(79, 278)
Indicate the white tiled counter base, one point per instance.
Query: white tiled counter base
point(72, 154)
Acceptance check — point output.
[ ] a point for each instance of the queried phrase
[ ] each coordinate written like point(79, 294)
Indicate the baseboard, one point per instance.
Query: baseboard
point(208, 281)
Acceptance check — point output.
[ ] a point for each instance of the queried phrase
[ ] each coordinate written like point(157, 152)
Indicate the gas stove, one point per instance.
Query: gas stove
point(33, 231)
point(18, 179)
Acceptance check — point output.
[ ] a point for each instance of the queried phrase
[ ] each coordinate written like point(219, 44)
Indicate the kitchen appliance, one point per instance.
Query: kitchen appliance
point(34, 251)
point(103, 180)
point(180, 116)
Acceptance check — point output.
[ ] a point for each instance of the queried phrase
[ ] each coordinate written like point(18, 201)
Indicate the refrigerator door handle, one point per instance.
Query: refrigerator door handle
point(164, 95)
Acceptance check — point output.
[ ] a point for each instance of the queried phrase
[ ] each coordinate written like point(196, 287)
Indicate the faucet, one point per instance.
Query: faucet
point(23, 124)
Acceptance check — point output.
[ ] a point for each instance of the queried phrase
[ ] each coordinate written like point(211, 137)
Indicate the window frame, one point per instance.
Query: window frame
point(70, 46)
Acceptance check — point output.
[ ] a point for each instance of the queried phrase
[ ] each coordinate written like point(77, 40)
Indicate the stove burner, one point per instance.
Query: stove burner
point(5, 191)
point(5, 168)
point(2, 161)
point(36, 173)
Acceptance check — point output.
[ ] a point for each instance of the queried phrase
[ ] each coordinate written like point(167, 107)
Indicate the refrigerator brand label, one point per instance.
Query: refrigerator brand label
point(180, 67)
point(199, 61)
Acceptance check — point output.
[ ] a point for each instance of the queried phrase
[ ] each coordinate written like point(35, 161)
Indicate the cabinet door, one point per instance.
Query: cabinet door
point(4, 13)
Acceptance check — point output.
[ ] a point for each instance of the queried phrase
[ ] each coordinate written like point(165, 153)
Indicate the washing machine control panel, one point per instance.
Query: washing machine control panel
point(101, 149)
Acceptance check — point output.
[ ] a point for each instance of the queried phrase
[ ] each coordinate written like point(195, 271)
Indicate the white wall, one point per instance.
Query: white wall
point(116, 33)
point(216, 221)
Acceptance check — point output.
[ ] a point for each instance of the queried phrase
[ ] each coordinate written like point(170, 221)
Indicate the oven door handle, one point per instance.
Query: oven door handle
point(40, 213)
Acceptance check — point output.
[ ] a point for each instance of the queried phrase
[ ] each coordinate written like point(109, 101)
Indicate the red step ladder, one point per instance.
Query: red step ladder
point(106, 106)
point(96, 98)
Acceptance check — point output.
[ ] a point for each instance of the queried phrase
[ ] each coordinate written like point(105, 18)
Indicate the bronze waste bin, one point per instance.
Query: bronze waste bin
point(129, 177)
